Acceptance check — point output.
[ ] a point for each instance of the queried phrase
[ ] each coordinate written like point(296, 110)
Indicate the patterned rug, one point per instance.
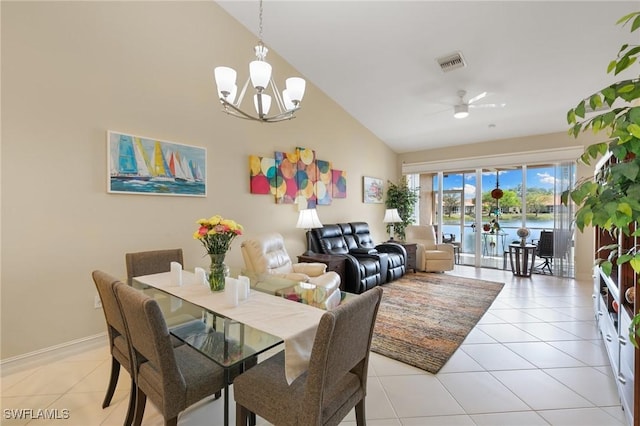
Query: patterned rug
point(424, 317)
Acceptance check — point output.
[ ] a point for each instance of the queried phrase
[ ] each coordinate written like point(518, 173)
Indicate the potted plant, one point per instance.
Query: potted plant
point(403, 198)
point(612, 201)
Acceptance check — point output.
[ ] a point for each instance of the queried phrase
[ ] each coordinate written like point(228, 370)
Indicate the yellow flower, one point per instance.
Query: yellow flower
point(214, 220)
point(217, 233)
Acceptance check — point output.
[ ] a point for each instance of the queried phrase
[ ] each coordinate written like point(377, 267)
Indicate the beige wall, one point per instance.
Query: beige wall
point(73, 70)
point(584, 242)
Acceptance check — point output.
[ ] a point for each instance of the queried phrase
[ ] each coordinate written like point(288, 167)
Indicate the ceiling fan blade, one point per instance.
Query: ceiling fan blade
point(429, 114)
point(477, 98)
point(488, 106)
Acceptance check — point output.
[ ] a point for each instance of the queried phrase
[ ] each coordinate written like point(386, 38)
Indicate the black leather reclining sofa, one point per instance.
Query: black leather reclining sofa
point(368, 264)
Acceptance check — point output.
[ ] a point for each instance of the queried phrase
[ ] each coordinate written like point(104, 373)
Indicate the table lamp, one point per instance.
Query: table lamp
point(308, 219)
point(391, 216)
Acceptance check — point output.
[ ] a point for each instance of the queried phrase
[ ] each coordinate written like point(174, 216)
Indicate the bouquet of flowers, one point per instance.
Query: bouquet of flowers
point(217, 233)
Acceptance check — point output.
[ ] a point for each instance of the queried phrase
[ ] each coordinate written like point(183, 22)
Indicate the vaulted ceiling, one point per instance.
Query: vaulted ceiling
point(377, 59)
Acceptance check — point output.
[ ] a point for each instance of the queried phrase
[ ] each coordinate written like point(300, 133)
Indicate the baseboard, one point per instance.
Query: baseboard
point(51, 354)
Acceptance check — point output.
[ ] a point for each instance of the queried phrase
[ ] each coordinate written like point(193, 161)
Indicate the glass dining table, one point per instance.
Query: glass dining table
point(231, 343)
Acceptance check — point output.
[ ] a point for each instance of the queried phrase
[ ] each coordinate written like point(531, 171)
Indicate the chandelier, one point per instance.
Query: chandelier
point(287, 103)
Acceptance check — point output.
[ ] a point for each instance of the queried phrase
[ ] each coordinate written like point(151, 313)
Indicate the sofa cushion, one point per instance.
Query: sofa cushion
point(349, 237)
point(313, 269)
point(363, 235)
point(331, 240)
point(438, 255)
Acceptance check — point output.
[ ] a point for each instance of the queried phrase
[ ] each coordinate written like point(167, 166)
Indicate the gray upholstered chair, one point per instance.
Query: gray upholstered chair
point(155, 262)
point(335, 382)
point(152, 262)
point(116, 333)
point(173, 378)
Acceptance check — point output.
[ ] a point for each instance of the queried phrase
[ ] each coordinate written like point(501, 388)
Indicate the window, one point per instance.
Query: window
point(510, 197)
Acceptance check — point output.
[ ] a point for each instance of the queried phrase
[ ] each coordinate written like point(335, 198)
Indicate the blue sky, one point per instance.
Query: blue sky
point(538, 177)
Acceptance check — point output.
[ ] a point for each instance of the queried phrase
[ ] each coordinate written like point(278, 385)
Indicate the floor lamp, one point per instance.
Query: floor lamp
point(391, 216)
point(308, 219)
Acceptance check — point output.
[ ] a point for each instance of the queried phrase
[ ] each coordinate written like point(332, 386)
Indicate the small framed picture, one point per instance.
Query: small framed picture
point(372, 190)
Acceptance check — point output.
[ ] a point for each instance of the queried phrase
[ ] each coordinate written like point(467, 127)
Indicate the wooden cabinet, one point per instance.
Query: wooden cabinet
point(411, 249)
point(334, 263)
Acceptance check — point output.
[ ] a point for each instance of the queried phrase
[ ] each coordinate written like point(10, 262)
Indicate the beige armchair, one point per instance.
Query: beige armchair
point(430, 256)
point(266, 256)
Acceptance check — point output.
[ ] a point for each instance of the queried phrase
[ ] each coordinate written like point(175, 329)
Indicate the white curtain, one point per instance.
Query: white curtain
point(563, 261)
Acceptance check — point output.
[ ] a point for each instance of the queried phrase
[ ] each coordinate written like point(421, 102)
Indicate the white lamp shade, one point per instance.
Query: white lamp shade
point(225, 79)
point(308, 218)
point(288, 104)
point(260, 72)
point(391, 216)
point(295, 87)
point(461, 111)
point(231, 97)
point(266, 103)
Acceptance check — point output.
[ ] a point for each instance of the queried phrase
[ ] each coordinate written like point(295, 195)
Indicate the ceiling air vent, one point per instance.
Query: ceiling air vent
point(451, 62)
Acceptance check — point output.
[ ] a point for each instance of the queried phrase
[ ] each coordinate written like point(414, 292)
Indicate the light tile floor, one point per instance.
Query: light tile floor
point(535, 358)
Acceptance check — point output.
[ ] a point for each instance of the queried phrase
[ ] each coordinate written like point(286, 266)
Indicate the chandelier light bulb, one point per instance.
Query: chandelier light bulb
point(288, 103)
point(225, 80)
point(295, 87)
point(266, 103)
point(231, 97)
point(260, 72)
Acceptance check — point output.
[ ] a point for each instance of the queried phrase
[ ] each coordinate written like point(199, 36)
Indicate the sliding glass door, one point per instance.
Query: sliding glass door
point(509, 198)
point(458, 208)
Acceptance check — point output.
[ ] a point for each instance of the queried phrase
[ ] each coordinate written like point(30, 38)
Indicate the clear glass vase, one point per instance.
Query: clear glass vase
point(217, 272)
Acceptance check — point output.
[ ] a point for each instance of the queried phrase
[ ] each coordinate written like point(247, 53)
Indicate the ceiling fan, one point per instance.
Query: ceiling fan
point(461, 110)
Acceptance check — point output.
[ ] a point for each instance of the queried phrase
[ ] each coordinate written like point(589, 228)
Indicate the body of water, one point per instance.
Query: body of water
point(158, 187)
point(506, 236)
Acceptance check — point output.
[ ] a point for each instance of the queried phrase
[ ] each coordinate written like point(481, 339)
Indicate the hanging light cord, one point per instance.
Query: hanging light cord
point(260, 24)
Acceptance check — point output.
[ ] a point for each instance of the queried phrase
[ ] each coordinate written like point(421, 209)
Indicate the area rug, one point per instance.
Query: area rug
point(424, 317)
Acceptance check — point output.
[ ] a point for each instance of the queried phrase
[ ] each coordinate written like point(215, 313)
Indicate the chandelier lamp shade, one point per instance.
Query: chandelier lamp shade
point(391, 216)
point(266, 90)
point(308, 219)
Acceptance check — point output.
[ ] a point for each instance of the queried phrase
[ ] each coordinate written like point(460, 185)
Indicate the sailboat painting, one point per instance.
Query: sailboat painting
point(141, 165)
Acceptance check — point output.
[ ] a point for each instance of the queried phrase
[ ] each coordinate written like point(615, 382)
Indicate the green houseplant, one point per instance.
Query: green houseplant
point(611, 201)
point(403, 198)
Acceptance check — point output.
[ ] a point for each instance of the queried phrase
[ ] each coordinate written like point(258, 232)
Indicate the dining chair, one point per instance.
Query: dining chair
point(173, 378)
point(335, 382)
point(152, 262)
point(118, 345)
point(544, 250)
point(155, 262)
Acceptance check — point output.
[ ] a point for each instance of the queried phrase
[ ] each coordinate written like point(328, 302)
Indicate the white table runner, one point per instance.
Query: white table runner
point(295, 323)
